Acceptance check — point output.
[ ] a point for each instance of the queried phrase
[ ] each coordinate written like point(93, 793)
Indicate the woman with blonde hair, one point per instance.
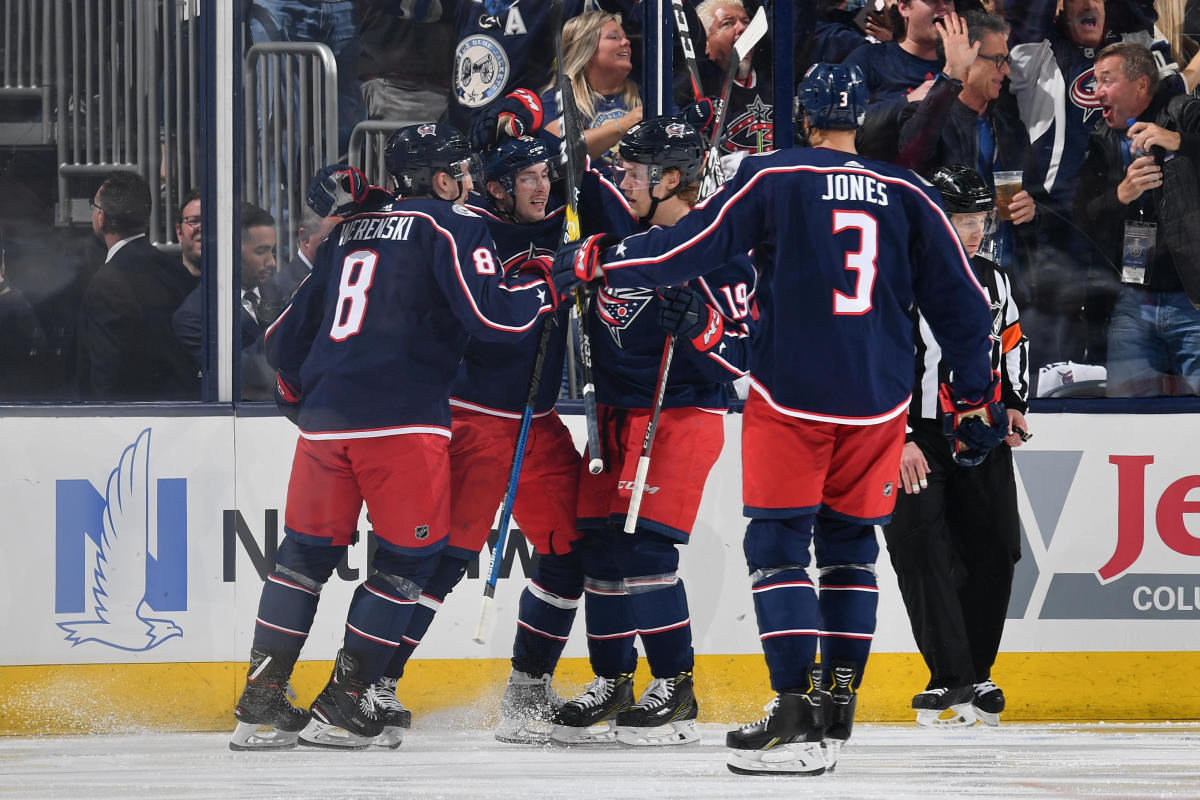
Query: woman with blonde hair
point(597, 60)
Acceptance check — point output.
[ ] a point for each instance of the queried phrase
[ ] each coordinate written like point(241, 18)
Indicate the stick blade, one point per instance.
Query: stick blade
point(753, 34)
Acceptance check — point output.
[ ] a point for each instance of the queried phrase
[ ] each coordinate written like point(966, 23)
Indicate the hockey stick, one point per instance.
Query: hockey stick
point(573, 156)
point(514, 476)
point(713, 177)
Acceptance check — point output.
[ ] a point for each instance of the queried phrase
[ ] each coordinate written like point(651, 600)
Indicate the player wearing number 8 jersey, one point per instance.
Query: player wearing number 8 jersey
point(846, 247)
point(366, 354)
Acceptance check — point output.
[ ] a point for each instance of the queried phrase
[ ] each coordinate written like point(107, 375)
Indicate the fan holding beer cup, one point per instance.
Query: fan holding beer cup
point(1013, 203)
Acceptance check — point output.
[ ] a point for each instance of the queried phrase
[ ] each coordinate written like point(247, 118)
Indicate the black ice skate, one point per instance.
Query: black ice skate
point(988, 703)
point(343, 715)
point(395, 717)
point(840, 705)
point(266, 718)
point(785, 742)
point(666, 714)
point(528, 705)
point(589, 718)
point(940, 707)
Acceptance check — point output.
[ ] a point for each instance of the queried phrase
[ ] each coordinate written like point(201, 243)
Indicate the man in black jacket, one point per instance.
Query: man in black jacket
point(126, 350)
point(1139, 197)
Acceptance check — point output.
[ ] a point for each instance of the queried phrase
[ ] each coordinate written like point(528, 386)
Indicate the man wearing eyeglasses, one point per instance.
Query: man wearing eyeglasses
point(958, 121)
point(187, 232)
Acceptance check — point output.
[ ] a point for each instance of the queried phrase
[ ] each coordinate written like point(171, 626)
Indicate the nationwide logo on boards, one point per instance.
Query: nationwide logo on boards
point(121, 554)
point(1114, 590)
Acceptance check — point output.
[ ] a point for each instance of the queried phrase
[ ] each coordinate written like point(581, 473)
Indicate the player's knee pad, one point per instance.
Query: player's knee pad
point(841, 542)
point(560, 575)
point(407, 574)
point(445, 577)
point(774, 543)
point(310, 565)
point(647, 554)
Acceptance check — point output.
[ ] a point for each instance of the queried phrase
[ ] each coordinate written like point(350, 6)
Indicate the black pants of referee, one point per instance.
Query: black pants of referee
point(953, 547)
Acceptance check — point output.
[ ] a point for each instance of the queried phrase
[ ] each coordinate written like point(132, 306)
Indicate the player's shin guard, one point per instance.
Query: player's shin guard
point(660, 610)
point(610, 627)
point(788, 622)
point(849, 599)
point(289, 598)
point(546, 613)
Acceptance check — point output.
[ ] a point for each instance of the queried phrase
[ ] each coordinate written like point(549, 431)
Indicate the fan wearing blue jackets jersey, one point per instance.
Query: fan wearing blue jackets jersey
point(487, 401)
point(631, 581)
point(853, 246)
point(366, 354)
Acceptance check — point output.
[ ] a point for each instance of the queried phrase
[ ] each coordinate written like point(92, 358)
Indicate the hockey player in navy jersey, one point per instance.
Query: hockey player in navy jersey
point(847, 247)
point(487, 402)
point(955, 534)
point(366, 354)
point(631, 581)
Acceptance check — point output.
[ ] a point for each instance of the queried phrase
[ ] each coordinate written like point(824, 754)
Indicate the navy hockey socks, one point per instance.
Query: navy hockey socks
point(660, 608)
point(447, 575)
point(546, 613)
point(849, 598)
point(286, 610)
point(608, 613)
point(788, 624)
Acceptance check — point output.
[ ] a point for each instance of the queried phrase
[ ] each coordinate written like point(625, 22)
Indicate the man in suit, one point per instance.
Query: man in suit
point(313, 230)
point(126, 350)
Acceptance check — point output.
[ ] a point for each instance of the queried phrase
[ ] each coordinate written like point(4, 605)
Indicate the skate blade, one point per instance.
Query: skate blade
point(956, 716)
point(797, 758)
point(523, 732)
point(673, 733)
point(602, 733)
point(331, 737)
point(391, 738)
point(248, 736)
point(989, 718)
point(832, 751)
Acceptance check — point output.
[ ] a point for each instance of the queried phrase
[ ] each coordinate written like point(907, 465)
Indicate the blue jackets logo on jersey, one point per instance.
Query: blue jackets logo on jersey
point(114, 564)
point(618, 308)
point(480, 70)
point(1083, 93)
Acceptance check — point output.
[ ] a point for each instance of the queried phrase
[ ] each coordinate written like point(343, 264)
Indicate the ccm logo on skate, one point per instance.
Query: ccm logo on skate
point(118, 569)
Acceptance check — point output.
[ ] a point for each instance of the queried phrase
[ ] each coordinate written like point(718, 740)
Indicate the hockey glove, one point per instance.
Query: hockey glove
point(337, 190)
point(701, 115)
point(287, 399)
point(578, 262)
point(516, 114)
point(974, 428)
point(683, 311)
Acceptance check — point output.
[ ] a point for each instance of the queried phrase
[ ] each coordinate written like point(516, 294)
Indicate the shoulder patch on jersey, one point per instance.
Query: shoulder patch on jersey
point(463, 210)
point(481, 70)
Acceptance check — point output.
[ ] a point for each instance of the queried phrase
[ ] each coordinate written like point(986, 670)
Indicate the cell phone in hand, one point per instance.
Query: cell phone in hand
point(874, 9)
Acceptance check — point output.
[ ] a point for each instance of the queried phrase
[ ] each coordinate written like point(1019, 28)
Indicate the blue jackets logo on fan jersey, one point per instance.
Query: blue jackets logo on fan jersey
point(1083, 93)
point(114, 563)
point(480, 70)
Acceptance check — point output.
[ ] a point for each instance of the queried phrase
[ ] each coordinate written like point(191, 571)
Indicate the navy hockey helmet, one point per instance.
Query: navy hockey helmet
point(662, 143)
point(964, 191)
point(415, 153)
point(511, 156)
point(832, 97)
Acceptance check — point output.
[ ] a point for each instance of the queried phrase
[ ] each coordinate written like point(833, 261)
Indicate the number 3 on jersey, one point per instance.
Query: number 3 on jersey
point(862, 261)
point(358, 271)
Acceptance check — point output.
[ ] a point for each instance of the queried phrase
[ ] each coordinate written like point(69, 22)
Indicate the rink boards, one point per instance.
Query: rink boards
point(136, 546)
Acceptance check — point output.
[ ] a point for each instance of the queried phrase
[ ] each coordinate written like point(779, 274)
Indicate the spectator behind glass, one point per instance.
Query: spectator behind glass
point(749, 126)
point(187, 232)
point(313, 230)
point(21, 339)
point(404, 63)
point(1054, 89)
point(842, 27)
point(324, 21)
point(597, 60)
point(126, 350)
point(260, 301)
point(1139, 195)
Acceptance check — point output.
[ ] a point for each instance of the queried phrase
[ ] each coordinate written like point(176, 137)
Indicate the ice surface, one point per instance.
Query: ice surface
point(446, 760)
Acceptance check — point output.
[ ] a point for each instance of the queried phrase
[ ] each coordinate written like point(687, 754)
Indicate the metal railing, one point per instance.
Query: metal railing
point(291, 128)
point(25, 35)
point(125, 88)
point(367, 143)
